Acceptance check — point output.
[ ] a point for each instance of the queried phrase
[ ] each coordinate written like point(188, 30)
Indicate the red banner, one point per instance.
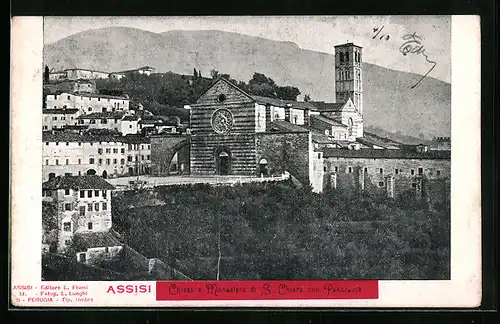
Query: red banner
point(267, 290)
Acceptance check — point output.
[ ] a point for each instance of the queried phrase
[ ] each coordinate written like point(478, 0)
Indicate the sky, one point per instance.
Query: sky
point(317, 33)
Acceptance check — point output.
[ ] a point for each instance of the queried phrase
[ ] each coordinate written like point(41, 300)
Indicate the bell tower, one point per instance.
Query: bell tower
point(349, 74)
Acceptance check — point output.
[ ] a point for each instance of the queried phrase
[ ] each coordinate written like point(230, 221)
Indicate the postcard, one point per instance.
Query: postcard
point(245, 161)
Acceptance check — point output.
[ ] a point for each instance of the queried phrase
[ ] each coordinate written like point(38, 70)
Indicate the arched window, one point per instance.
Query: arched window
point(349, 126)
point(341, 57)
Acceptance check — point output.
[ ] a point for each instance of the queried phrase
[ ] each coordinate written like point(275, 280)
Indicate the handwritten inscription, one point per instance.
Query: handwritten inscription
point(377, 31)
point(413, 45)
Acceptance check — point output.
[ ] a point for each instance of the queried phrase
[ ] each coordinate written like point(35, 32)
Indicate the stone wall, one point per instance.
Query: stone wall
point(163, 149)
point(354, 174)
point(285, 152)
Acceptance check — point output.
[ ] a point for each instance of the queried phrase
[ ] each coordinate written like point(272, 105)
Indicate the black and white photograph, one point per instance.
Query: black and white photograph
point(246, 148)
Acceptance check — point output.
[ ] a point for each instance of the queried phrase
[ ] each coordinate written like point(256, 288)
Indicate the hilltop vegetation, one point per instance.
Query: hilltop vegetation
point(276, 231)
point(166, 94)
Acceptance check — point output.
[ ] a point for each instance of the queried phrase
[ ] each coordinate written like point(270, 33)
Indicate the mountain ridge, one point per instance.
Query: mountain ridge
point(389, 101)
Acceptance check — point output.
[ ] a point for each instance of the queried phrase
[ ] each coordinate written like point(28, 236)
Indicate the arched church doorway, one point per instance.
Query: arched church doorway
point(91, 172)
point(263, 167)
point(105, 174)
point(222, 161)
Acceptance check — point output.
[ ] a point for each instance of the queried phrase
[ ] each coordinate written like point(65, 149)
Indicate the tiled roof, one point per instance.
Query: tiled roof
point(107, 238)
point(67, 111)
point(373, 139)
point(385, 154)
point(328, 121)
point(72, 69)
point(77, 182)
point(75, 137)
point(95, 95)
point(107, 114)
point(135, 139)
point(133, 70)
point(282, 125)
point(327, 106)
point(131, 117)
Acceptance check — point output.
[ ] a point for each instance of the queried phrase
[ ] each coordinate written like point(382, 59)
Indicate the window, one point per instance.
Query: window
point(366, 170)
point(90, 108)
point(89, 225)
point(347, 57)
point(54, 118)
point(114, 161)
point(137, 158)
point(67, 161)
point(96, 206)
point(396, 171)
point(108, 161)
point(46, 143)
point(420, 170)
point(79, 161)
point(79, 143)
point(67, 207)
point(149, 157)
point(63, 118)
point(381, 184)
point(100, 161)
point(91, 161)
point(123, 150)
point(115, 150)
point(336, 169)
point(412, 172)
point(57, 143)
point(89, 193)
point(341, 57)
point(381, 171)
point(96, 193)
point(68, 97)
point(438, 173)
point(324, 168)
point(104, 206)
point(67, 242)
point(90, 207)
point(67, 226)
point(92, 121)
point(349, 169)
point(57, 162)
point(149, 146)
point(66, 192)
point(108, 150)
point(99, 150)
point(104, 121)
point(82, 193)
point(46, 162)
point(129, 126)
point(122, 161)
point(104, 192)
point(129, 158)
point(413, 185)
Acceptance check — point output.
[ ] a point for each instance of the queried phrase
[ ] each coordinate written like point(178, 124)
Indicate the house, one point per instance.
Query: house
point(130, 124)
point(146, 70)
point(111, 120)
point(78, 73)
point(59, 118)
point(87, 102)
point(83, 204)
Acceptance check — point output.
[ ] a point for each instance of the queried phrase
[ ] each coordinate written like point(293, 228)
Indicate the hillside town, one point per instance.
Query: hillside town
point(97, 145)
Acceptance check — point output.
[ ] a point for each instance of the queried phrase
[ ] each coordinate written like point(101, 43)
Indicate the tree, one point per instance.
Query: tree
point(307, 98)
point(46, 74)
point(195, 73)
point(199, 74)
point(287, 93)
point(259, 78)
point(214, 73)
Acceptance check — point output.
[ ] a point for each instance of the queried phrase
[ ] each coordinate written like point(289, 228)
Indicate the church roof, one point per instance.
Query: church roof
point(328, 121)
point(281, 125)
point(77, 182)
point(327, 106)
point(386, 154)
